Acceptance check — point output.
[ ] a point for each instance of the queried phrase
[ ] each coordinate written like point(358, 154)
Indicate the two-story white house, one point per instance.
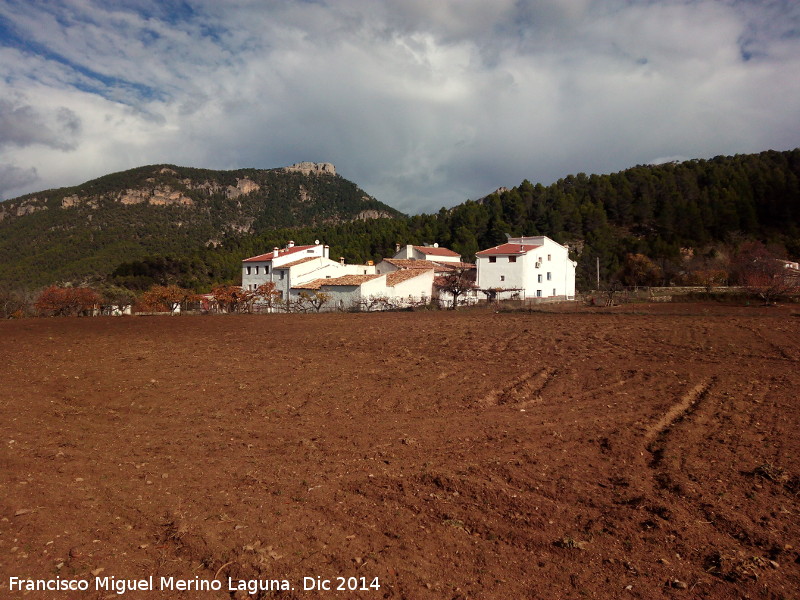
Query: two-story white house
point(527, 267)
point(294, 265)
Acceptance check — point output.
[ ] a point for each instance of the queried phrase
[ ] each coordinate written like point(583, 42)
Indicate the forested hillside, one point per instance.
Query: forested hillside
point(702, 205)
point(87, 230)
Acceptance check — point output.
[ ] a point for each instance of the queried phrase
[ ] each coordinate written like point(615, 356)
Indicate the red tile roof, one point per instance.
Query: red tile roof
point(410, 263)
point(281, 252)
point(436, 251)
point(396, 277)
point(508, 249)
point(349, 279)
point(316, 284)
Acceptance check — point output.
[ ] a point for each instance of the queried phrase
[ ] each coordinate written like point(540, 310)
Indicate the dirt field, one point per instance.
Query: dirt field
point(650, 453)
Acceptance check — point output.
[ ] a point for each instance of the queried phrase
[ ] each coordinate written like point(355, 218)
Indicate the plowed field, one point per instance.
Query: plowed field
point(650, 453)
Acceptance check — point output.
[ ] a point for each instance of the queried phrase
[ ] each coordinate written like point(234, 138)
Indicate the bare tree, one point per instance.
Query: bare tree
point(170, 297)
point(267, 293)
point(762, 273)
point(457, 283)
point(312, 300)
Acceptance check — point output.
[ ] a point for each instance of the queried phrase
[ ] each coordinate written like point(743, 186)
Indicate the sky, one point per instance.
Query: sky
point(422, 103)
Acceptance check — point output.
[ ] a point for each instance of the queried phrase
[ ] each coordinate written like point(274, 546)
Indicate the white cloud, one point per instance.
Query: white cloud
point(423, 104)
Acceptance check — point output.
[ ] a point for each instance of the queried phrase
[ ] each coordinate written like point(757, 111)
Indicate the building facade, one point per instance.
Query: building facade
point(527, 267)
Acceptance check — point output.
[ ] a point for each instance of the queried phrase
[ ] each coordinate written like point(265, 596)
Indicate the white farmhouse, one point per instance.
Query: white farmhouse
point(371, 291)
point(294, 265)
point(441, 260)
point(345, 292)
point(527, 267)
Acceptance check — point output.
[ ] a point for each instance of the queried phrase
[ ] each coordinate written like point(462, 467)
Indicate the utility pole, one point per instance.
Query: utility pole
point(598, 273)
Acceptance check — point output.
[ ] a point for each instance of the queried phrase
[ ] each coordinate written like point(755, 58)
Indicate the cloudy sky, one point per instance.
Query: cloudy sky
point(423, 103)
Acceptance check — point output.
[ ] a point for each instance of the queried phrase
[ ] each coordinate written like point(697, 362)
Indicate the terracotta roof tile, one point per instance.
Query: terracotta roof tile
point(396, 277)
point(281, 252)
point(436, 251)
point(314, 284)
point(350, 279)
point(508, 249)
point(410, 263)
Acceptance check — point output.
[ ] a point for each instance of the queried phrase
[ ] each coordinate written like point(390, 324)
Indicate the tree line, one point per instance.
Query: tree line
point(679, 216)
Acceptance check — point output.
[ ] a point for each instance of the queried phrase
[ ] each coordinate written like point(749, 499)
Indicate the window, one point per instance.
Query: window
point(502, 277)
point(310, 251)
point(548, 257)
point(512, 259)
point(538, 293)
point(283, 274)
point(266, 269)
point(492, 259)
point(256, 269)
point(549, 276)
point(248, 270)
point(539, 278)
point(554, 292)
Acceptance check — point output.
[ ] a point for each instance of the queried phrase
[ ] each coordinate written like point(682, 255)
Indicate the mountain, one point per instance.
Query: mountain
point(166, 224)
point(700, 208)
point(76, 232)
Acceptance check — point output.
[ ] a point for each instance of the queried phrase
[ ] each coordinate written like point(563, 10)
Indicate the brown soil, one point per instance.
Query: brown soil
point(647, 452)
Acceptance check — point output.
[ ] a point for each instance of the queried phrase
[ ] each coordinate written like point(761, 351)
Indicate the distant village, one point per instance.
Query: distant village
point(522, 268)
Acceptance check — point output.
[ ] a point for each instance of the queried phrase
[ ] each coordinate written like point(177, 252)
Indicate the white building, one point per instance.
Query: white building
point(371, 291)
point(441, 260)
point(527, 267)
point(295, 265)
point(432, 253)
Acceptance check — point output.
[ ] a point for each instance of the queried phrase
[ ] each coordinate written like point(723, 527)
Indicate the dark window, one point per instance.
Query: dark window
point(512, 259)
point(492, 259)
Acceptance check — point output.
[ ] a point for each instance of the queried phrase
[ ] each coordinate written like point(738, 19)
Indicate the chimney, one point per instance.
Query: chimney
point(341, 260)
point(326, 251)
point(290, 244)
point(521, 248)
point(396, 248)
point(275, 252)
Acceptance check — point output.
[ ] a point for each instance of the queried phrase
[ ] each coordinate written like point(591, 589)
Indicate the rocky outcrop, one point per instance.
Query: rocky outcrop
point(28, 207)
point(312, 168)
point(366, 215)
point(243, 186)
point(160, 196)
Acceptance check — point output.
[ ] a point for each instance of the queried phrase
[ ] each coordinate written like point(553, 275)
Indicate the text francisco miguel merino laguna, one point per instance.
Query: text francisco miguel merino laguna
point(251, 586)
